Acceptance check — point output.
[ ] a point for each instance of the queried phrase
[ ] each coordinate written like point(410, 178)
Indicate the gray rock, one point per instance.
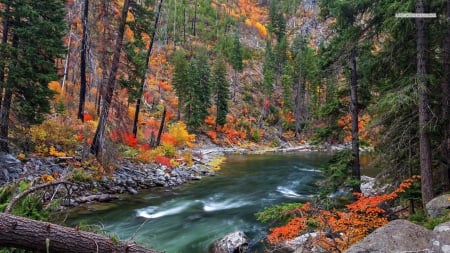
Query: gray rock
point(236, 242)
point(397, 236)
point(437, 206)
point(440, 240)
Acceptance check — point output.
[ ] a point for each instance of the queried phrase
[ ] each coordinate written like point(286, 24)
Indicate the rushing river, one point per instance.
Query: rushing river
point(189, 218)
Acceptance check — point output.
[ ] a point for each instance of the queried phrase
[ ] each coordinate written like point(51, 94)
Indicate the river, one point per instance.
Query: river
point(189, 218)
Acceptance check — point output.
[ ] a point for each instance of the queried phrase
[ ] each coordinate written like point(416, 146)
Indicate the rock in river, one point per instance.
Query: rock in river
point(236, 242)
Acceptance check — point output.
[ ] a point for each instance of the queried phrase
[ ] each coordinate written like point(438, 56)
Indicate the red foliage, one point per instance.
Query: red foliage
point(87, 116)
point(130, 140)
point(163, 161)
point(79, 137)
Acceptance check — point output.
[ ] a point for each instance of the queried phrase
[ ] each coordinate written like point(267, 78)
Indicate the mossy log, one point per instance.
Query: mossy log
point(38, 236)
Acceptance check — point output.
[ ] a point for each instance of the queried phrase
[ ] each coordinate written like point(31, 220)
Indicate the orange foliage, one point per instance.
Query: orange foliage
point(213, 135)
point(346, 123)
point(210, 121)
point(348, 226)
point(168, 139)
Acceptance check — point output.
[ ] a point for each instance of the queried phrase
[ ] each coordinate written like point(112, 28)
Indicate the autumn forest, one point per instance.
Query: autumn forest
point(90, 84)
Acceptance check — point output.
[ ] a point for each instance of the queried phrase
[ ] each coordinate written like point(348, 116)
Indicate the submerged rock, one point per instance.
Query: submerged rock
point(236, 242)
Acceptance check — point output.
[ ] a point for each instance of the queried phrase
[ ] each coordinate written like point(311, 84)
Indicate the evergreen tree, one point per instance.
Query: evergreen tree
point(180, 78)
point(277, 23)
point(36, 29)
point(236, 61)
point(220, 83)
point(198, 91)
point(268, 70)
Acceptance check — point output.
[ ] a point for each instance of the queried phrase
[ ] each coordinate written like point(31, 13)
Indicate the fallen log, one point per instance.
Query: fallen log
point(38, 236)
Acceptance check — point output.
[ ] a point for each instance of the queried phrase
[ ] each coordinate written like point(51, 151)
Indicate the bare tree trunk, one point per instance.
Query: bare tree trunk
point(445, 145)
point(424, 103)
point(356, 171)
point(41, 236)
point(161, 127)
point(4, 41)
point(109, 92)
point(6, 105)
point(4, 119)
point(194, 21)
point(147, 60)
point(83, 62)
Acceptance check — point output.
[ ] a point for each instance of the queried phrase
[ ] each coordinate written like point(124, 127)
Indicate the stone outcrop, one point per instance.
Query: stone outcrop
point(437, 206)
point(440, 240)
point(397, 236)
point(236, 242)
point(9, 168)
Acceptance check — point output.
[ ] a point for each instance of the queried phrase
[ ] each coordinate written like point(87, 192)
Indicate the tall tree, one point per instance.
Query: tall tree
point(349, 28)
point(198, 92)
point(180, 78)
point(144, 74)
point(83, 62)
point(236, 61)
point(445, 103)
point(36, 29)
point(109, 91)
point(220, 83)
point(424, 104)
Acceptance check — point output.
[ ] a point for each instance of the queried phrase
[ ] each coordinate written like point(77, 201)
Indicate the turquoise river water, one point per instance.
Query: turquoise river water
point(187, 219)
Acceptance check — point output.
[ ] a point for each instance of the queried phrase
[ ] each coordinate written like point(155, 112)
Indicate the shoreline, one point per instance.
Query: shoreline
point(132, 177)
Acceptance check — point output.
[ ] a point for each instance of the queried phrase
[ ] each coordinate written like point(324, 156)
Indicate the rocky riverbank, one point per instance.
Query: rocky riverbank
point(129, 176)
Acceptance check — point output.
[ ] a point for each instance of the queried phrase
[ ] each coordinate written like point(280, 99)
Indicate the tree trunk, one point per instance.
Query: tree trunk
point(424, 114)
point(161, 127)
point(41, 236)
point(194, 21)
point(6, 105)
point(356, 171)
point(83, 62)
point(445, 145)
point(4, 41)
point(299, 95)
point(147, 60)
point(109, 91)
point(4, 119)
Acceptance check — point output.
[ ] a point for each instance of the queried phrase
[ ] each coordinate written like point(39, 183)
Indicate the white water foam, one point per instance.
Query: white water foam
point(153, 213)
point(222, 205)
point(291, 194)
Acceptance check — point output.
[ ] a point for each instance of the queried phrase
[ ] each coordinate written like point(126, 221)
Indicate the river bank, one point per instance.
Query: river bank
point(131, 176)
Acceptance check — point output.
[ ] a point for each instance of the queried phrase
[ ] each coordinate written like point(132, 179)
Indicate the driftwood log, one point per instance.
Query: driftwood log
point(38, 236)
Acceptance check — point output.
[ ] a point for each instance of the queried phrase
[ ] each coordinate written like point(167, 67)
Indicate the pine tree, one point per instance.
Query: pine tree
point(36, 30)
point(236, 61)
point(180, 78)
point(220, 83)
point(198, 90)
point(268, 70)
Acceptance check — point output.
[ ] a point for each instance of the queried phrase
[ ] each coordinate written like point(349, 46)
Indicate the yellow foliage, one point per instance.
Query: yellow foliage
point(21, 156)
point(47, 178)
point(216, 162)
point(55, 86)
point(180, 134)
point(53, 152)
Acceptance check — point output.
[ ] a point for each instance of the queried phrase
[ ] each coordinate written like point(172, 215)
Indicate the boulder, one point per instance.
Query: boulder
point(236, 242)
point(437, 206)
point(396, 236)
point(440, 239)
